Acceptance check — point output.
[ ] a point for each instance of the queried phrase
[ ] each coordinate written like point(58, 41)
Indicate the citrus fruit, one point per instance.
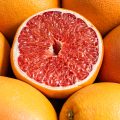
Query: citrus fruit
point(4, 55)
point(104, 14)
point(57, 51)
point(110, 70)
point(20, 101)
point(94, 102)
point(13, 12)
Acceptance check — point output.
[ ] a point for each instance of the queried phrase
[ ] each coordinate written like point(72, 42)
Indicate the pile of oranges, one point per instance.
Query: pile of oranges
point(96, 99)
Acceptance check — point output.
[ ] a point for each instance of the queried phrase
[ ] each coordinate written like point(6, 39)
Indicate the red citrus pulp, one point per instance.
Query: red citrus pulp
point(58, 51)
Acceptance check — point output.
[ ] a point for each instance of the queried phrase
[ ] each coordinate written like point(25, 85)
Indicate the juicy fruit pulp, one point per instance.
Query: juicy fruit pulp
point(57, 49)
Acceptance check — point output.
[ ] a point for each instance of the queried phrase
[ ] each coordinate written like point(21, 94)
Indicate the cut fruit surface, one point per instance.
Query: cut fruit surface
point(57, 50)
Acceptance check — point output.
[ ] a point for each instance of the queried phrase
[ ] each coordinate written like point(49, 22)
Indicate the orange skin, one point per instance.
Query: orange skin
point(94, 102)
point(51, 92)
point(104, 14)
point(20, 101)
point(110, 70)
point(14, 12)
point(4, 55)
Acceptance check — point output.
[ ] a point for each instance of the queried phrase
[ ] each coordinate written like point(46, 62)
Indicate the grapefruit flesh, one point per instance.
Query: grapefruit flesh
point(57, 48)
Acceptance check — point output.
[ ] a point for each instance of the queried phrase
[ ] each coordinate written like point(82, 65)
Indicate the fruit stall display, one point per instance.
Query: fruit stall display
point(59, 60)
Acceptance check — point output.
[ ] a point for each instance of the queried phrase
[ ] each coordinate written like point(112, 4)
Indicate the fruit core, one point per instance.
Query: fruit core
point(57, 48)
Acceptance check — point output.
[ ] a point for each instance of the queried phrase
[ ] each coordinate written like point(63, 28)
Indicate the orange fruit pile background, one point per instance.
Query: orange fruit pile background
point(24, 101)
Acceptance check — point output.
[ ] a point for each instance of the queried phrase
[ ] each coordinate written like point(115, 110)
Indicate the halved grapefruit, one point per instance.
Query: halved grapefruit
point(57, 51)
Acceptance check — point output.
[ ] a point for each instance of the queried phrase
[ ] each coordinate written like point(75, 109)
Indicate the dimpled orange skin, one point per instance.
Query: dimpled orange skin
point(99, 101)
point(4, 55)
point(104, 14)
point(13, 12)
point(110, 70)
point(20, 101)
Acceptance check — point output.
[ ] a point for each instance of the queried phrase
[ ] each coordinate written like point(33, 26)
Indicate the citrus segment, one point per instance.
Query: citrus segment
point(57, 49)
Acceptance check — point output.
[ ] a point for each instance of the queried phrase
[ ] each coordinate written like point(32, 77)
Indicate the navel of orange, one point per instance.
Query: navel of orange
point(94, 102)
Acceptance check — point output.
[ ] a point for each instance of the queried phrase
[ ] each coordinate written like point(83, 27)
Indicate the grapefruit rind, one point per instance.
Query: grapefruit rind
point(22, 75)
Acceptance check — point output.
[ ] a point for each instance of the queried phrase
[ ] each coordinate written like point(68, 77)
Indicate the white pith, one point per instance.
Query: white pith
point(16, 51)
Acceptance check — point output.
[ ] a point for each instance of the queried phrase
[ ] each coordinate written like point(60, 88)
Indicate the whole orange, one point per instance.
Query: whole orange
point(110, 70)
point(13, 12)
point(104, 14)
point(99, 101)
point(20, 101)
point(4, 55)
